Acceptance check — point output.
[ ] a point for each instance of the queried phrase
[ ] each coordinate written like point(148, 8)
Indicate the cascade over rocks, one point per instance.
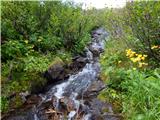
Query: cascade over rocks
point(60, 71)
point(56, 72)
point(76, 97)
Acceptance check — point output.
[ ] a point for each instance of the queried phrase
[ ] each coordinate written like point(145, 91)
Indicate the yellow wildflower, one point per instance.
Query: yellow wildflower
point(133, 60)
point(138, 59)
point(140, 65)
point(131, 54)
point(142, 58)
point(154, 47)
point(144, 63)
point(139, 56)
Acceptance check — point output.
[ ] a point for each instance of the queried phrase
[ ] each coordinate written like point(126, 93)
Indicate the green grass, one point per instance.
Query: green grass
point(133, 92)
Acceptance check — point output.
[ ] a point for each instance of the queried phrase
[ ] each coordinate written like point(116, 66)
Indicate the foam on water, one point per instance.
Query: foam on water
point(78, 84)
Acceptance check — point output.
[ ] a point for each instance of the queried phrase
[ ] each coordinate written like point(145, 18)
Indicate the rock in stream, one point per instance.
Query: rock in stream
point(75, 98)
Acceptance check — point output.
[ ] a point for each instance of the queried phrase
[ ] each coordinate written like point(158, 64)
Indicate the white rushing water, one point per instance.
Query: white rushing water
point(77, 84)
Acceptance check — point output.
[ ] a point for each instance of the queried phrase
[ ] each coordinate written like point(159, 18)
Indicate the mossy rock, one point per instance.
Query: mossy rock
point(56, 61)
point(56, 71)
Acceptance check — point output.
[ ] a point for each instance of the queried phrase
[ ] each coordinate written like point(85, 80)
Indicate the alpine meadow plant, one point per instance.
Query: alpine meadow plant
point(143, 19)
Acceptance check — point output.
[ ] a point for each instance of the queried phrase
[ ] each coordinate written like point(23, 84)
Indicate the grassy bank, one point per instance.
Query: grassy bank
point(133, 90)
point(130, 63)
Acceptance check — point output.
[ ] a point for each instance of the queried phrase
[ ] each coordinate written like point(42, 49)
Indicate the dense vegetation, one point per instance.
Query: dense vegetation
point(37, 34)
point(130, 64)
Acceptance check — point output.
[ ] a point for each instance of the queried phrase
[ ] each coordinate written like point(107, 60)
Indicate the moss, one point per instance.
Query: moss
point(55, 61)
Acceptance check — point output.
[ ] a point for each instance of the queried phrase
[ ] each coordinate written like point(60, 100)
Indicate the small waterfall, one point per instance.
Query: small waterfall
point(87, 117)
point(77, 84)
point(89, 54)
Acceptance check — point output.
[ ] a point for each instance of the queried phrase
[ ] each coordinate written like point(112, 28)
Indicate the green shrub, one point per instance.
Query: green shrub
point(143, 19)
point(4, 104)
point(132, 91)
point(13, 49)
point(36, 64)
point(50, 25)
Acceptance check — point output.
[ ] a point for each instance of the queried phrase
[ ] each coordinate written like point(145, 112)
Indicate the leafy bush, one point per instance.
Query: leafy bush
point(132, 90)
point(49, 25)
point(13, 49)
point(143, 19)
point(4, 104)
point(36, 64)
point(34, 35)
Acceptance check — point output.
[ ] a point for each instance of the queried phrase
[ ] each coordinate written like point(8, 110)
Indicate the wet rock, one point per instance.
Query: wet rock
point(24, 95)
point(95, 52)
point(78, 63)
point(82, 60)
point(17, 118)
point(56, 72)
point(80, 90)
point(68, 102)
point(100, 110)
point(111, 116)
point(94, 88)
point(33, 99)
point(96, 48)
point(63, 105)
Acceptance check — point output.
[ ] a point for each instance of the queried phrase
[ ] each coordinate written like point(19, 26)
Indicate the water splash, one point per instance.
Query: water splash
point(76, 85)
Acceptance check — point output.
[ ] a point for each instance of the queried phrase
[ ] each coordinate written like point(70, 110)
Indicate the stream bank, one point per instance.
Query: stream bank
point(75, 98)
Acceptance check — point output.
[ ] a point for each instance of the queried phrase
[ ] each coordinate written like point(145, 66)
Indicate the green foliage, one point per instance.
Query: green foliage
point(4, 104)
point(50, 25)
point(143, 19)
point(141, 95)
point(35, 35)
point(13, 49)
point(137, 25)
point(132, 91)
point(36, 64)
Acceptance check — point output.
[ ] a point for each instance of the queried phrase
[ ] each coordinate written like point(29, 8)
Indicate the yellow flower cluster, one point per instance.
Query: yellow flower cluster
point(136, 58)
point(155, 47)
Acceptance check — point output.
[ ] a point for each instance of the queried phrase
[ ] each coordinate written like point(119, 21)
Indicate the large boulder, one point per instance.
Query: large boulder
point(78, 63)
point(57, 71)
point(94, 89)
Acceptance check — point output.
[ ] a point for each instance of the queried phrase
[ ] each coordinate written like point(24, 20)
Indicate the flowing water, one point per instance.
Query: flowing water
point(75, 86)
